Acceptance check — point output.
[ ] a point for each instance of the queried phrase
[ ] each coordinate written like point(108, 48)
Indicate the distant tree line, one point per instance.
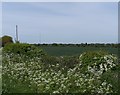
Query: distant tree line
point(7, 39)
point(82, 45)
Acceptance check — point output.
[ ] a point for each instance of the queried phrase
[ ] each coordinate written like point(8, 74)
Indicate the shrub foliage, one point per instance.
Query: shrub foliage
point(55, 74)
point(6, 40)
point(23, 49)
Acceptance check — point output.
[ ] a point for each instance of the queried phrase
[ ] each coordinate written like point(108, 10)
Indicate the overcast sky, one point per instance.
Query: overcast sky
point(61, 22)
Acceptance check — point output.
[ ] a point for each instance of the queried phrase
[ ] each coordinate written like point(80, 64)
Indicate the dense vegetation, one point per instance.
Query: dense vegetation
point(5, 40)
point(28, 69)
point(76, 49)
point(0, 71)
point(82, 45)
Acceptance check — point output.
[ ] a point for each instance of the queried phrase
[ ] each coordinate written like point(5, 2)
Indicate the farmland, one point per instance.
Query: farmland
point(73, 50)
point(31, 69)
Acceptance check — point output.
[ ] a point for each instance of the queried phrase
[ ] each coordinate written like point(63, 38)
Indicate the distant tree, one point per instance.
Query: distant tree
point(5, 40)
point(54, 44)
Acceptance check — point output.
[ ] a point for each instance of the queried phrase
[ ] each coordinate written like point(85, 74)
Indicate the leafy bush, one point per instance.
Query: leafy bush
point(95, 58)
point(23, 49)
point(6, 40)
point(100, 64)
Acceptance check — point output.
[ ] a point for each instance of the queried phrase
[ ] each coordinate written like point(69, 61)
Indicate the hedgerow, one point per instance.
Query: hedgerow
point(32, 75)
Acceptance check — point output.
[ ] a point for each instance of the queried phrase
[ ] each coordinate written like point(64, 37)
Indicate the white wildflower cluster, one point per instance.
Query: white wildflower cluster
point(107, 63)
point(50, 81)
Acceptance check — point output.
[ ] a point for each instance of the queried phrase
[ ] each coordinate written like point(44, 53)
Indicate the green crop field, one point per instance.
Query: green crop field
point(73, 50)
